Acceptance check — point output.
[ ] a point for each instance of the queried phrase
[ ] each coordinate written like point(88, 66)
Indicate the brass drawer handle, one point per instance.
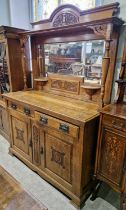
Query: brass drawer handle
point(43, 120)
point(13, 106)
point(27, 111)
point(64, 128)
point(41, 151)
point(120, 126)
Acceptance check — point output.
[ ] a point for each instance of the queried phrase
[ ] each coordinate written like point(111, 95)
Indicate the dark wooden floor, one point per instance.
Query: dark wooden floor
point(13, 197)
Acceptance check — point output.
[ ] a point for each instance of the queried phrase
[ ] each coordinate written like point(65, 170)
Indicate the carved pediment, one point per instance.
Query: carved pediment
point(64, 19)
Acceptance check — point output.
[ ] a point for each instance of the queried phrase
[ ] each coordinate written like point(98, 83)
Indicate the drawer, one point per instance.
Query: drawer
point(18, 107)
point(114, 122)
point(59, 125)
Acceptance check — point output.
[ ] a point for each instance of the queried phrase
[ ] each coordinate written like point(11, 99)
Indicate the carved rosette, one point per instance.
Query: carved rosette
point(65, 19)
point(58, 157)
point(19, 134)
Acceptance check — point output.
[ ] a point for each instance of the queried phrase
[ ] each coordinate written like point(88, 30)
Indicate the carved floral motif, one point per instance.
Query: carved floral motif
point(20, 134)
point(58, 157)
point(99, 29)
point(65, 19)
point(112, 156)
point(65, 85)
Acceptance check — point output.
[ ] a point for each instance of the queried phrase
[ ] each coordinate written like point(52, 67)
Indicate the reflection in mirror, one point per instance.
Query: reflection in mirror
point(4, 80)
point(75, 58)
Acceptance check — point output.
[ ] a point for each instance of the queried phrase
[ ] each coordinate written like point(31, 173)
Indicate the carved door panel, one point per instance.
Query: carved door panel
point(58, 157)
point(112, 158)
point(21, 134)
point(5, 121)
point(38, 145)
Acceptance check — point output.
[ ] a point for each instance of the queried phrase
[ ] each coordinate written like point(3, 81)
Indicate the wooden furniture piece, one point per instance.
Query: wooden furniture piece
point(111, 150)
point(11, 71)
point(110, 164)
point(54, 127)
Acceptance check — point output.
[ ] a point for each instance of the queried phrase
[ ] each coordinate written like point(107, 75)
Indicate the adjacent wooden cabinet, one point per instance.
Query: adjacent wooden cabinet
point(11, 70)
point(111, 149)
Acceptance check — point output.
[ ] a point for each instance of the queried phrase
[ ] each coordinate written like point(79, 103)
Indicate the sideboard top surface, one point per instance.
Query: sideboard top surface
point(52, 104)
point(118, 110)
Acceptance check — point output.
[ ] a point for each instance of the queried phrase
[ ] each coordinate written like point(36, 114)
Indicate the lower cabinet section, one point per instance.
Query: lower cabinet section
point(4, 126)
point(60, 152)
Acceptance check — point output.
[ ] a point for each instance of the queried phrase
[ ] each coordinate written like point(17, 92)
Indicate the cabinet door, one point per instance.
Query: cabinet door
point(58, 157)
point(4, 125)
point(21, 134)
point(38, 145)
point(112, 156)
point(52, 154)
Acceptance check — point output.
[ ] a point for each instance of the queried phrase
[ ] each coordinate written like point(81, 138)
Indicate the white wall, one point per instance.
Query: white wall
point(20, 13)
point(4, 13)
point(15, 13)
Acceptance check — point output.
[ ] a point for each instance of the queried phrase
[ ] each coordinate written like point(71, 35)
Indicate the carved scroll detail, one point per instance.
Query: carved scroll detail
point(65, 19)
point(20, 134)
point(99, 29)
point(58, 157)
point(70, 86)
point(65, 85)
point(36, 142)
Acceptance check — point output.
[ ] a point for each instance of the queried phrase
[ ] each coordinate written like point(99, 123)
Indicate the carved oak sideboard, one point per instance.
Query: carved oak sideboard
point(56, 137)
point(54, 127)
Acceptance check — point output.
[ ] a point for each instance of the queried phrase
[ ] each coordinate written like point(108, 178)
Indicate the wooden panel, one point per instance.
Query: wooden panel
point(58, 157)
point(112, 156)
point(21, 108)
point(20, 134)
point(114, 122)
point(59, 125)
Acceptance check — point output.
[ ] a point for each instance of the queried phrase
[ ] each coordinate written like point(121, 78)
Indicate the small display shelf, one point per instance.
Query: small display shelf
point(91, 89)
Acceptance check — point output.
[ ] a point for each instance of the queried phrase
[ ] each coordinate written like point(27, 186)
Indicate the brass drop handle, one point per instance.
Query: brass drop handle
point(120, 126)
point(43, 120)
point(13, 106)
point(41, 151)
point(30, 144)
point(27, 111)
point(64, 128)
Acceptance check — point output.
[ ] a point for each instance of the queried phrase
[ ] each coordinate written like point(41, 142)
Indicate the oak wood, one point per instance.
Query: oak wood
point(110, 163)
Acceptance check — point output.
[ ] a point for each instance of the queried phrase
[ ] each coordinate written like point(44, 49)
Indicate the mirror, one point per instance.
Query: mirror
point(75, 58)
point(4, 80)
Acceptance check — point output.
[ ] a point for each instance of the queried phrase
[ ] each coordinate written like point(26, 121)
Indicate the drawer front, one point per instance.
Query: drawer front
point(18, 107)
point(61, 126)
point(114, 122)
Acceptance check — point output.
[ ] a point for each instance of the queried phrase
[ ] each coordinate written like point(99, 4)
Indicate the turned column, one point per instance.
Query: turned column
point(40, 60)
point(106, 61)
point(23, 41)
